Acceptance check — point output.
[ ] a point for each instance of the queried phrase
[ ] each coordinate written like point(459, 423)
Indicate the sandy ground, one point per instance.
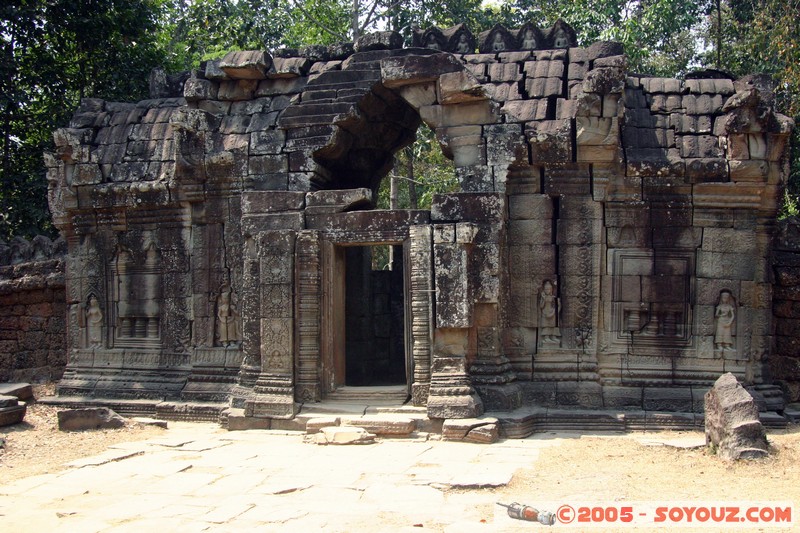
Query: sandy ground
point(36, 446)
point(613, 471)
point(604, 470)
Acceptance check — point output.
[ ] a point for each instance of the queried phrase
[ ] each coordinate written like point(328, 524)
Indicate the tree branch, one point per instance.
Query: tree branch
point(316, 21)
point(369, 20)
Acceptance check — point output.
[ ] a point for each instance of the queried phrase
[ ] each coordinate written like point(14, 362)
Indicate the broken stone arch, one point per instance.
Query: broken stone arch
point(600, 217)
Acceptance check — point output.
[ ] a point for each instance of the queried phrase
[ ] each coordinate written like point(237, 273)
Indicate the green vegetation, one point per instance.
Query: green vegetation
point(55, 52)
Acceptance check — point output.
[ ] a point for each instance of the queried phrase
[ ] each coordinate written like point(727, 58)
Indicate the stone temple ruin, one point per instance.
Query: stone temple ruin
point(608, 247)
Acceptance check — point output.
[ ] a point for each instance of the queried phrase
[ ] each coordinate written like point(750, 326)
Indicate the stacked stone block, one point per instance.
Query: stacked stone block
point(32, 327)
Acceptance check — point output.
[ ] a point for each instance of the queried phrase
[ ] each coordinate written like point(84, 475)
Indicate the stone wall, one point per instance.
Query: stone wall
point(32, 310)
point(785, 361)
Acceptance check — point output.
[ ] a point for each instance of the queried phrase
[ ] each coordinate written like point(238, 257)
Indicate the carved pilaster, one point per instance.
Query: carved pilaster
point(309, 298)
point(451, 392)
point(251, 330)
point(274, 387)
point(421, 311)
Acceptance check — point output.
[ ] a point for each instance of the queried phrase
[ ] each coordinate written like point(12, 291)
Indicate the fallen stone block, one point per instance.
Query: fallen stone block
point(461, 428)
point(486, 434)
point(22, 391)
point(314, 425)
point(89, 418)
point(12, 414)
point(342, 435)
point(732, 425)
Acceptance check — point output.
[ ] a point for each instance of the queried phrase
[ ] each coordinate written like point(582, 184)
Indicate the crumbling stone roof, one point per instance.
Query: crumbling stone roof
point(283, 122)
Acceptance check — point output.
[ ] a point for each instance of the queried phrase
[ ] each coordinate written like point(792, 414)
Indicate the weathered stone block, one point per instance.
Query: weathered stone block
point(530, 207)
point(342, 435)
point(732, 425)
point(530, 232)
point(400, 71)
point(246, 65)
point(379, 40)
point(237, 90)
point(289, 67)
point(198, 89)
point(472, 207)
point(483, 112)
point(267, 142)
point(420, 94)
point(551, 141)
point(89, 418)
point(256, 202)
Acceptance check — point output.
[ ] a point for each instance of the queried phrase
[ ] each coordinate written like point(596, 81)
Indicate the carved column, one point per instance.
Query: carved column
point(309, 300)
point(421, 311)
point(451, 392)
point(251, 330)
point(274, 388)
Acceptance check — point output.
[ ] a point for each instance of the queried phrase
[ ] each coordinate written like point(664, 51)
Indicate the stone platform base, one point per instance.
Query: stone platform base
point(527, 421)
point(163, 410)
point(408, 421)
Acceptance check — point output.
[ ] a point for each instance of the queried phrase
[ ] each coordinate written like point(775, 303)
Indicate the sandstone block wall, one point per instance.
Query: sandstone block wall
point(32, 310)
point(785, 360)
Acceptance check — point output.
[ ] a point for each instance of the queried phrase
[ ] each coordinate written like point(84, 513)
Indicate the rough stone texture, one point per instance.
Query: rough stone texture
point(89, 418)
point(784, 362)
point(608, 241)
point(731, 418)
point(32, 310)
point(477, 430)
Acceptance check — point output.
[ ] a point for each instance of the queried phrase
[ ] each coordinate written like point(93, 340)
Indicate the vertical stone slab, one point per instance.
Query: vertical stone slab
point(251, 330)
point(274, 388)
point(453, 299)
point(421, 276)
point(308, 306)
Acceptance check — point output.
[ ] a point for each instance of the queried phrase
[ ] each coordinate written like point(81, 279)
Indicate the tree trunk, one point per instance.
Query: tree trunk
point(354, 29)
point(412, 184)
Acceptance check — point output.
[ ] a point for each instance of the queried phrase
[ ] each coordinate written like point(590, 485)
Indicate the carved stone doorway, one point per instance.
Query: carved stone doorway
point(364, 323)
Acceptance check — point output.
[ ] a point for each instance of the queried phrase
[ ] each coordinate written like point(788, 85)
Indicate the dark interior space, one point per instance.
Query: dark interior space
point(374, 321)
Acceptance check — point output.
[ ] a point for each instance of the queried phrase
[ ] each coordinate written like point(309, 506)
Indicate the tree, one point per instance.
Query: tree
point(194, 30)
point(55, 52)
point(761, 36)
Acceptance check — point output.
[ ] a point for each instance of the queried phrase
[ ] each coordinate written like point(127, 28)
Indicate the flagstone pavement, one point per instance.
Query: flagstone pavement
point(199, 477)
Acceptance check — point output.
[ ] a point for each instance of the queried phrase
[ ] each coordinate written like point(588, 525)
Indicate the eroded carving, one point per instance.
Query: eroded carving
point(724, 317)
point(549, 309)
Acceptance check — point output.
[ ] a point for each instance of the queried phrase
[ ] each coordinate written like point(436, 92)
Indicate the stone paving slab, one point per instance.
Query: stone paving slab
point(200, 478)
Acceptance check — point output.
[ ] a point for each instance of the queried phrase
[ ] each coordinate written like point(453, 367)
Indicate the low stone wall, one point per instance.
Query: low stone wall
point(785, 360)
point(32, 310)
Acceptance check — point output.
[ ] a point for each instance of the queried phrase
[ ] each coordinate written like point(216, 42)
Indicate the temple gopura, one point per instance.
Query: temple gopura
point(607, 247)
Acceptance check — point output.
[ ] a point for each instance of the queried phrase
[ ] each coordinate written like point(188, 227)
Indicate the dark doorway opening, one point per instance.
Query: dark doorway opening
point(374, 316)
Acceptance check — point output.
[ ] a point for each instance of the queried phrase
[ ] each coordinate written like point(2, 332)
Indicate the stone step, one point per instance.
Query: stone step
point(386, 425)
point(397, 394)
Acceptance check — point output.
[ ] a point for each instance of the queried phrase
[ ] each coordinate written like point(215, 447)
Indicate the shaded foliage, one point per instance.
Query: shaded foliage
point(55, 52)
